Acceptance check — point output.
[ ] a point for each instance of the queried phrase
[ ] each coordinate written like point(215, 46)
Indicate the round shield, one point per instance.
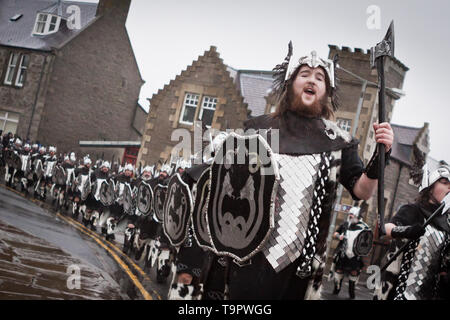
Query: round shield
point(144, 198)
point(200, 193)
point(128, 201)
point(85, 185)
point(107, 193)
point(363, 243)
point(158, 204)
point(177, 210)
point(240, 212)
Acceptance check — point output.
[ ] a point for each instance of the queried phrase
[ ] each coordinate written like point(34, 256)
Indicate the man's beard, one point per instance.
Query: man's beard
point(297, 105)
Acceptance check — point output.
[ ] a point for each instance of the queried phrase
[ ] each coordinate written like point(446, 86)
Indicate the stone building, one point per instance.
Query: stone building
point(68, 74)
point(206, 91)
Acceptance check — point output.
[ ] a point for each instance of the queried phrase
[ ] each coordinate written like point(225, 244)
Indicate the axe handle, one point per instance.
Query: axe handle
point(381, 147)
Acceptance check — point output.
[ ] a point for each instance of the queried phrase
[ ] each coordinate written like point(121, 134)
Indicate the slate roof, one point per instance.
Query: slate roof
point(19, 33)
point(254, 86)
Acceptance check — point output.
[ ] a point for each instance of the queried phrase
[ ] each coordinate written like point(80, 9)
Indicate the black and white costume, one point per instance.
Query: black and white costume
point(345, 260)
point(421, 271)
point(313, 155)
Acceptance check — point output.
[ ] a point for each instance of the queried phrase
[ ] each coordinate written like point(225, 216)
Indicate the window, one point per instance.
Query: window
point(344, 124)
point(16, 69)
point(53, 21)
point(8, 121)
point(22, 70)
point(40, 23)
point(10, 70)
point(46, 24)
point(207, 111)
point(189, 108)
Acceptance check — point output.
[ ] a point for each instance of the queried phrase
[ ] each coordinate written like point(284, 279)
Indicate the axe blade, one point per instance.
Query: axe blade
point(385, 47)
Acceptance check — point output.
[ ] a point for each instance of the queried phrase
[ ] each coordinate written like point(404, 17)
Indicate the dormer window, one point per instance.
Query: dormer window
point(46, 24)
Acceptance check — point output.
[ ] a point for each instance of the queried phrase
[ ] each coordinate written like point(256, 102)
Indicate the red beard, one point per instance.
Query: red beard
point(310, 111)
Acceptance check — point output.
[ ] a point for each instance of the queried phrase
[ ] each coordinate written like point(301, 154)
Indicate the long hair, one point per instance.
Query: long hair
point(426, 197)
point(286, 98)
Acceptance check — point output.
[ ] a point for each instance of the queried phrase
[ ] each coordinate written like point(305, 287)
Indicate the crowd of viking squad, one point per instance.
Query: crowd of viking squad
point(105, 198)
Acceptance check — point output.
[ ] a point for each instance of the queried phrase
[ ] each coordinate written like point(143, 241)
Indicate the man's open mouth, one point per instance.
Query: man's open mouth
point(310, 91)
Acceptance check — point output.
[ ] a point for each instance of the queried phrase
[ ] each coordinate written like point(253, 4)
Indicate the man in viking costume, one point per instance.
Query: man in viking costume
point(346, 260)
point(69, 166)
point(313, 155)
point(38, 161)
point(95, 208)
point(23, 172)
point(164, 249)
point(49, 164)
point(15, 149)
point(420, 272)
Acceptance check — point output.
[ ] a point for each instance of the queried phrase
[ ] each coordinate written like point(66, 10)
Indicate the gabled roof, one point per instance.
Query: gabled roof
point(254, 86)
point(19, 33)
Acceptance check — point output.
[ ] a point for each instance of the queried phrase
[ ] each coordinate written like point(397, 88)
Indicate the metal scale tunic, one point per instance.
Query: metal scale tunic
point(419, 266)
point(302, 185)
point(309, 160)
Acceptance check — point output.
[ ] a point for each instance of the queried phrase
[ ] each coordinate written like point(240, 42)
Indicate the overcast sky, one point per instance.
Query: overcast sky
point(167, 35)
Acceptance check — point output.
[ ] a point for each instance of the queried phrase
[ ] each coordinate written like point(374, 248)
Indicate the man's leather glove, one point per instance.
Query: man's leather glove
point(409, 232)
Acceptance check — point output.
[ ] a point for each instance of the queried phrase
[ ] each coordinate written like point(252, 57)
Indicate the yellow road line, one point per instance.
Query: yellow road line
point(127, 270)
point(97, 238)
point(138, 269)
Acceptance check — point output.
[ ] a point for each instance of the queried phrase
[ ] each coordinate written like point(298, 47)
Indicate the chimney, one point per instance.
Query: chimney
point(113, 7)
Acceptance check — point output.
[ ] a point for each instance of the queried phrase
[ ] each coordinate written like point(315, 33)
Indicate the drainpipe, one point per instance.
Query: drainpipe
point(36, 97)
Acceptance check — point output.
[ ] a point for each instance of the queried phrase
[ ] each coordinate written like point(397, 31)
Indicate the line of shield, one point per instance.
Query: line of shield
point(144, 198)
point(84, 185)
point(178, 207)
point(106, 193)
point(128, 199)
point(160, 192)
point(199, 223)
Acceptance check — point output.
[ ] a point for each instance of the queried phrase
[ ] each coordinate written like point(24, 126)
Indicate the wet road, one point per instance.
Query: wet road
point(60, 242)
point(38, 245)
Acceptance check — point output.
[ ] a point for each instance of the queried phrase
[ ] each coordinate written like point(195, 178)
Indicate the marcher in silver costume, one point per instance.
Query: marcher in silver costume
point(314, 155)
point(421, 271)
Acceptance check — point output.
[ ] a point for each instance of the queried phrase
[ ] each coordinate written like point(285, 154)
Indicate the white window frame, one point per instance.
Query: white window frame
point(47, 23)
point(207, 107)
point(5, 119)
point(11, 68)
point(189, 106)
point(344, 124)
point(22, 69)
